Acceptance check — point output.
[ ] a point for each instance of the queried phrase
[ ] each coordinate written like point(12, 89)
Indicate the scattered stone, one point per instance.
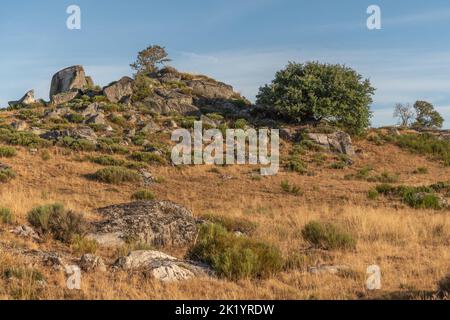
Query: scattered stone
point(54, 260)
point(208, 122)
point(91, 110)
point(328, 269)
point(98, 118)
point(151, 127)
point(162, 266)
point(20, 125)
point(157, 223)
point(118, 91)
point(338, 141)
point(91, 262)
point(147, 177)
point(26, 232)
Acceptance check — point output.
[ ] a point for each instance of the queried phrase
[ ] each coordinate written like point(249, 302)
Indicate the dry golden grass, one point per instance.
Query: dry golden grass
point(411, 246)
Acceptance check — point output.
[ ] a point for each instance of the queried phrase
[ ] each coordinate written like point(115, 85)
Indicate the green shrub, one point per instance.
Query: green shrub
point(26, 139)
point(6, 174)
point(148, 157)
point(231, 224)
point(421, 170)
point(327, 236)
point(423, 197)
point(6, 216)
point(233, 256)
point(419, 200)
point(118, 120)
point(338, 165)
point(75, 118)
point(107, 161)
point(426, 144)
point(7, 152)
point(82, 245)
point(373, 194)
point(296, 165)
point(40, 217)
point(66, 225)
point(77, 144)
point(53, 219)
point(116, 175)
point(45, 155)
point(240, 124)
point(143, 195)
point(288, 188)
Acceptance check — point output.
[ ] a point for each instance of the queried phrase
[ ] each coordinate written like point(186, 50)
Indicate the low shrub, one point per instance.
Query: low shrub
point(6, 174)
point(288, 188)
point(53, 219)
point(26, 139)
point(45, 155)
point(421, 170)
point(77, 144)
point(235, 257)
point(297, 165)
point(373, 194)
point(426, 144)
point(423, 197)
point(7, 152)
point(231, 224)
point(116, 175)
point(6, 216)
point(327, 236)
point(142, 195)
point(148, 157)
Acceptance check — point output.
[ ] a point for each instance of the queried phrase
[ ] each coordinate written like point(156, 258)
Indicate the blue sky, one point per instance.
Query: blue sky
point(241, 42)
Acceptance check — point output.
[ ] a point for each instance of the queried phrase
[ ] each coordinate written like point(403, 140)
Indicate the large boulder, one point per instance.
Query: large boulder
point(338, 142)
point(67, 80)
point(27, 99)
point(210, 89)
point(162, 266)
point(157, 223)
point(119, 90)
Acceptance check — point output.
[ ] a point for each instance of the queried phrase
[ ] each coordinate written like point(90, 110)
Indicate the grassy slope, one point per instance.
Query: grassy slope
point(410, 246)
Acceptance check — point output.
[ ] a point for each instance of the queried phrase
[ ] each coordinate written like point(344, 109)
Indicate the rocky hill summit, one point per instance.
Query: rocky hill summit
point(125, 108)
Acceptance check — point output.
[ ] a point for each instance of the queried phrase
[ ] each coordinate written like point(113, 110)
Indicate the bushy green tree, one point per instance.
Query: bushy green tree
point(316, 91)
point(427, 116)
point(149, 59)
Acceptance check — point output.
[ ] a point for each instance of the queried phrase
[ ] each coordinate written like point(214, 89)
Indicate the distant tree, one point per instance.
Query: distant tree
point(316, 91)
point(405, 113)
point(148, 60)
point(427, 116)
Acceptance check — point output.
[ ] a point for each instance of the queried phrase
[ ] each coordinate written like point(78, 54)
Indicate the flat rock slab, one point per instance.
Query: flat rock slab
point(162, 266)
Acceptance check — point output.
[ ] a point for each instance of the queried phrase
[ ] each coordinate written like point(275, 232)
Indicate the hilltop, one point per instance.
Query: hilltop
point(86, 180)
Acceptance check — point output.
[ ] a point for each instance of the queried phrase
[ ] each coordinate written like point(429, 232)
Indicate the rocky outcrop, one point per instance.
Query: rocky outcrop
point(162, 266)
point(76, 133)
point(158, 223)
point(70, 79)
point(338, 142)
point(27, 99)
point(119, 90)
point(211, 89)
